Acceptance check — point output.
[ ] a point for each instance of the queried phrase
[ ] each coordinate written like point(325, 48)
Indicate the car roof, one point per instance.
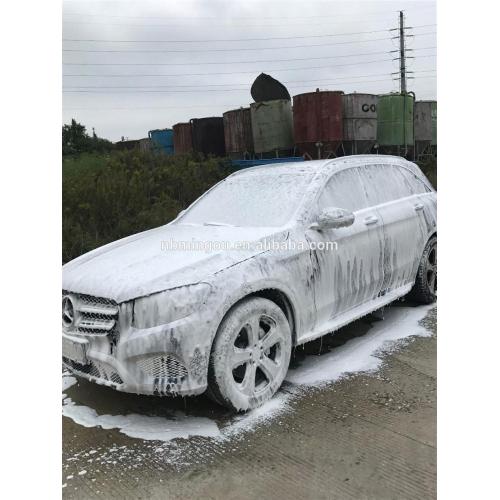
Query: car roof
point(322, 168)
point(328, 166)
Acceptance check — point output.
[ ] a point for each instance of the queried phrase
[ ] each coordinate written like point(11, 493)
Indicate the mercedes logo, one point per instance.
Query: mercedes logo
point(68, 312)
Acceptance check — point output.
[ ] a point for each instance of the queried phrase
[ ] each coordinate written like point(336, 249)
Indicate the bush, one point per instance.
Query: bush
point(109, 196)
point(429, 168)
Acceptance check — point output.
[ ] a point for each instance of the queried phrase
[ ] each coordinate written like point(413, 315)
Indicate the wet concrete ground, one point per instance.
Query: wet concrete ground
point(365, 436)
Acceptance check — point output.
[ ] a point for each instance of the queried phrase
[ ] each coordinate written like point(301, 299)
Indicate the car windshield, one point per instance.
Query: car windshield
point(252, 199)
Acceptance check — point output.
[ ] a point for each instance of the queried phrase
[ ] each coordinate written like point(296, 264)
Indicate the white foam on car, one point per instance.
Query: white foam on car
point(356, 355)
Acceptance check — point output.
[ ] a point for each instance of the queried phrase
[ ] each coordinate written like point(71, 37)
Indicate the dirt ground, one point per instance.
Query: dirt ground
point(365, 436)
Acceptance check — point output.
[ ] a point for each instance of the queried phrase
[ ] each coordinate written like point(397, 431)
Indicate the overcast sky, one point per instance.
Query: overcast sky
point(152, 63)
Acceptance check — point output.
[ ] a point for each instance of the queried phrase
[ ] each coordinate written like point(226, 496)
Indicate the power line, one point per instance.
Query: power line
point(225, 39)
point(239, 72)
point(237, 62)
point(86, 91)
point(246, 84)
point(260, 18)
point(232, 72)
point(226, 25)
point(237, 39)
point(168, 51)
point(226, 50)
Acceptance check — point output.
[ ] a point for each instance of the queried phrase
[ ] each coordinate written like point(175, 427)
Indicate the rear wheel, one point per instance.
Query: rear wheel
point(250, 355)
point(425, 288)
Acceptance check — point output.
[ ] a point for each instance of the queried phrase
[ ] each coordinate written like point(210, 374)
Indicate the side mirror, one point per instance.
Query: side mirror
point(333, 218)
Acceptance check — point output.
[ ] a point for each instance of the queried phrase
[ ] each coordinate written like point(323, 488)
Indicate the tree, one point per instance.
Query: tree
point(75, 140)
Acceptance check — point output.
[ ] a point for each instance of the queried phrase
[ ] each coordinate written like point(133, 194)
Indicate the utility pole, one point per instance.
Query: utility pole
point(402, 61)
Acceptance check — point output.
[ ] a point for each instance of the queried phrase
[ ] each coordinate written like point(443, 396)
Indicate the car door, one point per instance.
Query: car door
point(351, 273)
point(387, 189)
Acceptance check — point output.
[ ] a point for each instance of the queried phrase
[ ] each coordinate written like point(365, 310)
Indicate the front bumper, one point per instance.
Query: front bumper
point(166, 360)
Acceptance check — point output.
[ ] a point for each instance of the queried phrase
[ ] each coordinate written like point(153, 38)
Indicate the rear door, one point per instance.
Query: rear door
point(387, 189)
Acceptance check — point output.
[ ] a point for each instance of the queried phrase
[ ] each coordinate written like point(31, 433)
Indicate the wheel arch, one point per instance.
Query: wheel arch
point(281, 299)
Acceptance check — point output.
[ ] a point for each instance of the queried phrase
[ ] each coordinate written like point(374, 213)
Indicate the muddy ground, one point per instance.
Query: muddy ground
point(368, 435)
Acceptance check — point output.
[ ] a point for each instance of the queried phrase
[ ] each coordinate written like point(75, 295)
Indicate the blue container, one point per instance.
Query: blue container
point(239, 164)
point(163, 140)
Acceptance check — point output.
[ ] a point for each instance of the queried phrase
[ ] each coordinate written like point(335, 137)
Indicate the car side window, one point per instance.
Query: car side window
point(344, 190)
point(414, 184)
point(384, 183)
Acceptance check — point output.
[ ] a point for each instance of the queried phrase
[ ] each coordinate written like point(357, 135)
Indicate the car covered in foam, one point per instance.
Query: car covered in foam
point(269, 258)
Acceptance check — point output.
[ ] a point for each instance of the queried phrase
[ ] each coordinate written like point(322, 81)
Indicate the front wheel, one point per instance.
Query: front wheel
point(425, 288)
point(250, 355)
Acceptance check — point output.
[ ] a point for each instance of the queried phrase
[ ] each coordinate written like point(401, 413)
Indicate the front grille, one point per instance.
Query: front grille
point(96, 301)
point(95, 316)
point(163, 366)
point(94, 369)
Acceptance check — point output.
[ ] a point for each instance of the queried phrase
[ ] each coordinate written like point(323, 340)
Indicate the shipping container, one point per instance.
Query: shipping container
point(272, 127)
point(318, 123)
point(360, 123)
point(395, 123)
point(238, 136)
point(208, 135)
point(183, 140)
point(162, 140)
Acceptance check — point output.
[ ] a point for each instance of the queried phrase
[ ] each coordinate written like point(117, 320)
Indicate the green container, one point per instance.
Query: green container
point(395, 120)
point(272, 125)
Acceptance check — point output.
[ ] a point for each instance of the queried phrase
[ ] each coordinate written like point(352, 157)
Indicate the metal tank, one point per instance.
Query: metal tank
point(360, 123)
point(208, 135)
point(272, 127)
point(162, 140)
point(238, 136)
point(317, 123)
point(395, 123)
point(425, 128)
point(183, 140)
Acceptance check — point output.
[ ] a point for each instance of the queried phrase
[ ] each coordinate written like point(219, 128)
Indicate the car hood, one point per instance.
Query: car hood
point(143, 264)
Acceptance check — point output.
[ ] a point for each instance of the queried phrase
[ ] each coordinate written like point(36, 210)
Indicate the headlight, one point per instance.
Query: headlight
point(168, 306)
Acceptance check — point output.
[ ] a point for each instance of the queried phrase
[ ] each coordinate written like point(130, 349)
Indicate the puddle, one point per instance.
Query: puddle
point(360, 354)
point(143, 426)
point(353, 349)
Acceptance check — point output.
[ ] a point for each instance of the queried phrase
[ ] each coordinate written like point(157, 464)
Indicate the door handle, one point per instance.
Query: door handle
point(371, 219)
point(418, 206)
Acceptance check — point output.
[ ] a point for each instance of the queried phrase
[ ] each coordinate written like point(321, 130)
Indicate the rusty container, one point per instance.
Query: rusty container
point(183, 141)
point(317, 123)
point(360, 123)
point(238, 133)
point(272, 127)
point(208, 135)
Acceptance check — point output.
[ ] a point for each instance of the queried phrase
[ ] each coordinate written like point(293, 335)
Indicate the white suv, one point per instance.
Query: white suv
point(269, 258)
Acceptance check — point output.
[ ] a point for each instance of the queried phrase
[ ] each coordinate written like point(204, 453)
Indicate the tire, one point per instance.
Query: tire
point(250, 355)
point(424, 290)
